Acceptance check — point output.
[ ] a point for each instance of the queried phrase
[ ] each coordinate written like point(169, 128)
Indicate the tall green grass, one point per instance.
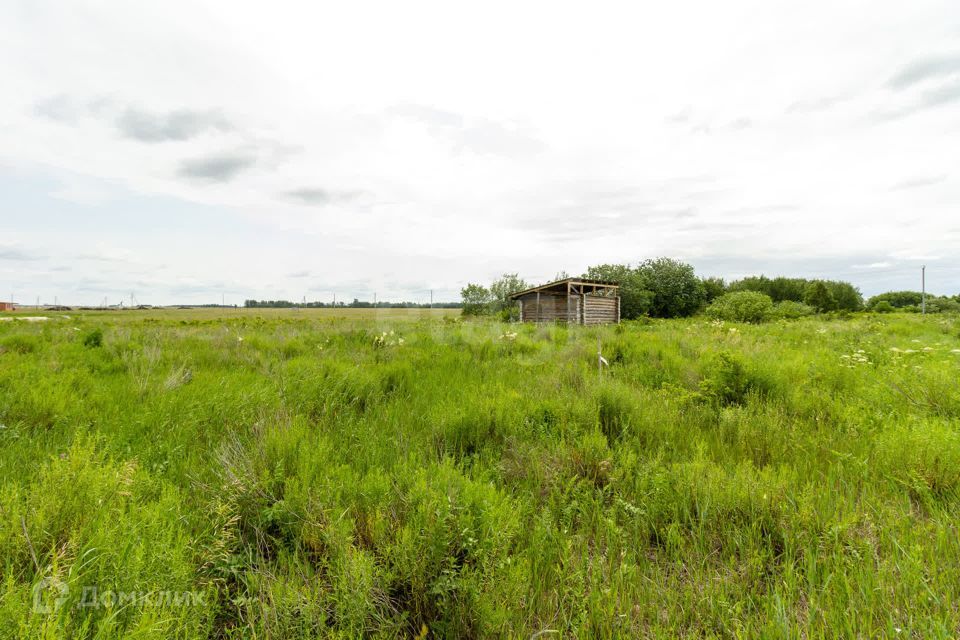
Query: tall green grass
point(302, 476)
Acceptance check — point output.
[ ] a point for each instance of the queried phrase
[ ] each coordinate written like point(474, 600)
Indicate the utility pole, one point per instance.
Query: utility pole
point(374, 299)
point(923, 289)
point(431, 298)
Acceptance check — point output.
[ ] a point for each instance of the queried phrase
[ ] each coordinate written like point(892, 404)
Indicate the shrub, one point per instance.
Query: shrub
point(882, 307)
point(93, 338)
point(788, 309)
point(728, 381)
point(742, 306)
point(942, 305)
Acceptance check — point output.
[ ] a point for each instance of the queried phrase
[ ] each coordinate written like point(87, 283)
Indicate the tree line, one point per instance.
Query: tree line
point(356, 304)
point(668, 288)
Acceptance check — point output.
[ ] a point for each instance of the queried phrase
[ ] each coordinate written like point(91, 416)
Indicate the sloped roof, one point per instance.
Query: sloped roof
point(562, 284)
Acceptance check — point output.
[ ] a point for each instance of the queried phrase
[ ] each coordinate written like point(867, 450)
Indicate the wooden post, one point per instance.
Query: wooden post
point(568, 304)
point(599, 359)
point(539, 315)
point(521, 309)
point(618, 309)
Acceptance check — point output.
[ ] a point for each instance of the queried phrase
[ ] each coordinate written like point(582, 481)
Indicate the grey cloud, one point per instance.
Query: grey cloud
point(59, 108)
point(915, 183)
point(132, 122)
point(318, 196)
point(178, 125)
point(221, 167)
point(932, 98)
point(941, 95)
point(18, 255)
point(924, 69)
point(299, 274)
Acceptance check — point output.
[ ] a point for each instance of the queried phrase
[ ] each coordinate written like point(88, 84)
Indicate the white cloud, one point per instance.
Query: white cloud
point(391, 145)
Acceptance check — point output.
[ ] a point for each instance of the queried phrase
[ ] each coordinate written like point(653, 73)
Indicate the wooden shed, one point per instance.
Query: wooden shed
point(571, 300)
point(7, 306)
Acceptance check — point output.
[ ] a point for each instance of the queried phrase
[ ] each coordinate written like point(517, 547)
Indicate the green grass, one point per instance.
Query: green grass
point(301, 474)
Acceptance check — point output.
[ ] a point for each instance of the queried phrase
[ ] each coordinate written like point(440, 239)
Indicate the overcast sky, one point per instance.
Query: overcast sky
point(199, 151)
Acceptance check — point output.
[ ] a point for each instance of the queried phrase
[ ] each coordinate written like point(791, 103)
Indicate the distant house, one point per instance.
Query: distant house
point(7, 306)
point(571, 300)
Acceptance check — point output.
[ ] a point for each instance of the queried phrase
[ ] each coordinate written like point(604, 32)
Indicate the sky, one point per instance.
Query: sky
point(199, 152)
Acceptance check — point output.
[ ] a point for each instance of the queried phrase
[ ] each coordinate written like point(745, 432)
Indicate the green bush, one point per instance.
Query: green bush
point(896, 299)
point(882, 307)
point(93, 338)
point(728, 382)
point(790, 310)
point(742, 306)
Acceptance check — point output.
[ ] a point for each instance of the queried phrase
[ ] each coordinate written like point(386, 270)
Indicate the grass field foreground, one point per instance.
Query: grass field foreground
point(215, 474)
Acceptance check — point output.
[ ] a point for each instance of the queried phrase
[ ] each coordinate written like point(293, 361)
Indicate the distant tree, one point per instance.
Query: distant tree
point(713, 288)
point(846, 297)
point(896, 299)
point(501, 289)
point(942, 304)
point(781, 289)
point(760, 284)
point(882, 306)
point(677, 291)
point(818, 296)
point(561, 275)
point(476, 299)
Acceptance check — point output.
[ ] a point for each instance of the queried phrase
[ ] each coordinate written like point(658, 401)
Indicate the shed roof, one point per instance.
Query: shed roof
point(561, 286)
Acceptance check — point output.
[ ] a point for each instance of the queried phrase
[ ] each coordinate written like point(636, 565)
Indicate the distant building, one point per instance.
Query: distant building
point(7, 306)
point(571, 300)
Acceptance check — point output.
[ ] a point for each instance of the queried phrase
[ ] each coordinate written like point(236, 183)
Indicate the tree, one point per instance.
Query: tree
point(846, 297)
point(501, 289)
point(635, 299)
point(677, 291)
point(713, 288)
point(476, 299)
point(897, 299)
point(818, 296)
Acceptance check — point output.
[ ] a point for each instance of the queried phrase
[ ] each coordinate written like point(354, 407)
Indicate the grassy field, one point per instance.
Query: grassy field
point(268, 474)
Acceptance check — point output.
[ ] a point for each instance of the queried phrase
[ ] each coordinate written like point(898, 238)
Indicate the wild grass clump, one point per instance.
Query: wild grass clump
point(92, 338)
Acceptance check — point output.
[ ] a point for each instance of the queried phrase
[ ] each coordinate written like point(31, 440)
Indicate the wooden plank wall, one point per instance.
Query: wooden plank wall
point(554, 308)
point(600, 310)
